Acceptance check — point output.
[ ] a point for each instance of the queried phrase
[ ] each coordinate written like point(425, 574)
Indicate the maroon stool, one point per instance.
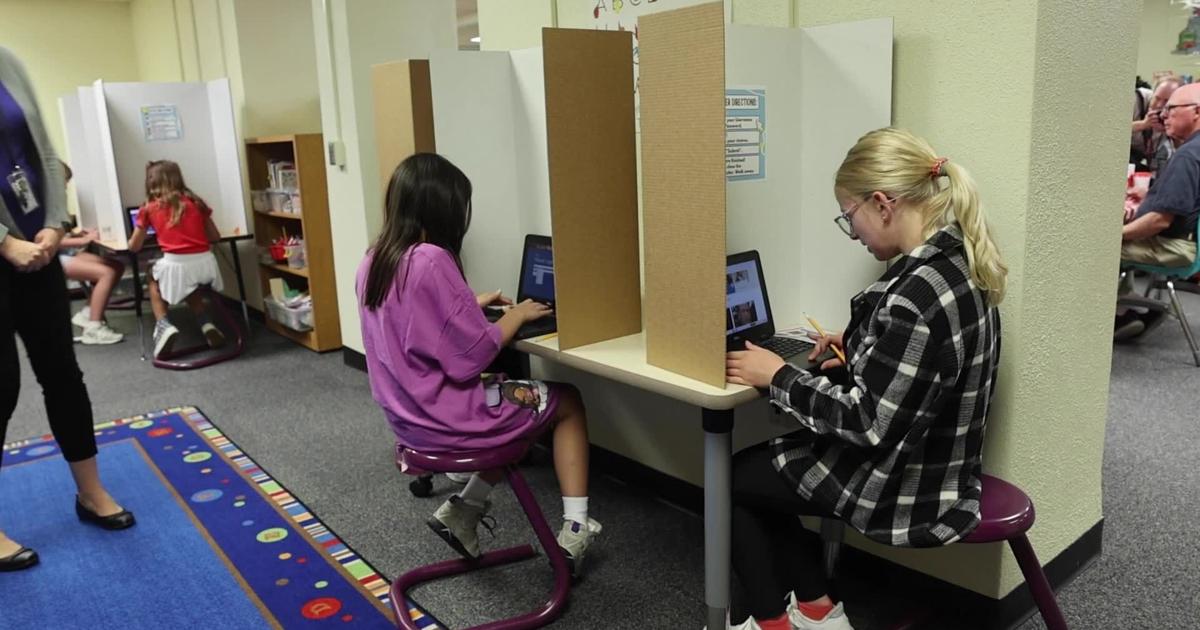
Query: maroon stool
point(1006, 513)
point(201, 355)
point(506, 457)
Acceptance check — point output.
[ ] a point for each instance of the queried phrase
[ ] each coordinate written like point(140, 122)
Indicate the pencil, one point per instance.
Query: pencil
point(820, 331)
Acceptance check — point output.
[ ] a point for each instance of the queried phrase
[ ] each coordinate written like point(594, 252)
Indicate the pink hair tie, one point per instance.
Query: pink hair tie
point(936, 170)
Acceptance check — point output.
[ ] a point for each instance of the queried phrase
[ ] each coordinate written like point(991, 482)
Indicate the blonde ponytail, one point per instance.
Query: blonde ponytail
point(959, 201)
point(899, 163)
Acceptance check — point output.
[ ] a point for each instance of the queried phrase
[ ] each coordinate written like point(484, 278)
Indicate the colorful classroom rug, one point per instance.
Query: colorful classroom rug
point(218, 544)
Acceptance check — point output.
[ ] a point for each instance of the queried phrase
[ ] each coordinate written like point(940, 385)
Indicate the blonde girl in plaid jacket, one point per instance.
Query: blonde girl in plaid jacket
point(891, 441)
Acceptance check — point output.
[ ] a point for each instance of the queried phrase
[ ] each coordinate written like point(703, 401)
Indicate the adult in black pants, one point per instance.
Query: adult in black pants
point(895, 449)
point(34, 303)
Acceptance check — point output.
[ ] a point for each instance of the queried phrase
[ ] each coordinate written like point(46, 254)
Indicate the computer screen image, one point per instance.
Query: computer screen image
point(744, 303)
point(133, 218)
point(537, 282)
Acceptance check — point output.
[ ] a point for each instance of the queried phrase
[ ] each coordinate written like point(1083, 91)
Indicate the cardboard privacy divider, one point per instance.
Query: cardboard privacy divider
point(682, 57)
point(819, 90)
point(593, 184)
point(122, 126)
point(534, 131)
point(403, 114)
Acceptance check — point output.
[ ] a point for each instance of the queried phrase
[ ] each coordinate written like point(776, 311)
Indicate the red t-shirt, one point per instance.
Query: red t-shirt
point(185, 237)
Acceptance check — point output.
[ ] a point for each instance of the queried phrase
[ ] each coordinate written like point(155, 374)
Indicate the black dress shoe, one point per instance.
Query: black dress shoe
point(22, 559)
point(121, 520)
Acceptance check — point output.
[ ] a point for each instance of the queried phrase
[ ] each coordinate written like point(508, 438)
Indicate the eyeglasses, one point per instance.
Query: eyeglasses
point(843, 219)
point(1166, 111)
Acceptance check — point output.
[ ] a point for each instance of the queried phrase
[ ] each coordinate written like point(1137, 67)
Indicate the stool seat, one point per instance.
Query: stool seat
point(1005, 512)
point(415, 462)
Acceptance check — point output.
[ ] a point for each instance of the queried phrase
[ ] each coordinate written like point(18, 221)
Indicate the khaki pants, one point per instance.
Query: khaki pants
point(1159, 251)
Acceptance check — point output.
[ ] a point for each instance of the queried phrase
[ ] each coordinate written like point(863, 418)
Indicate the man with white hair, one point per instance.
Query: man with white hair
point(1163, 233)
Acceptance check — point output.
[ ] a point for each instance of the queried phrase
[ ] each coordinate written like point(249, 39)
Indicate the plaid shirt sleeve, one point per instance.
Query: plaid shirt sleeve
point(890, 391)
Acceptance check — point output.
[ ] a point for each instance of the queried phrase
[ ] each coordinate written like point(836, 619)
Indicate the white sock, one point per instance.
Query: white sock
point(476, 491)
point(575, 509)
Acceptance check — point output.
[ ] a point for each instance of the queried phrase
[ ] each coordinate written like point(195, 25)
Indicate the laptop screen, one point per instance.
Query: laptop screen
point(133, 217)
point(745, 304)
point(537, 270)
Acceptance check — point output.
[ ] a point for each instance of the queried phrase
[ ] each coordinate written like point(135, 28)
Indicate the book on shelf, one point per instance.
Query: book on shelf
point(282, 176)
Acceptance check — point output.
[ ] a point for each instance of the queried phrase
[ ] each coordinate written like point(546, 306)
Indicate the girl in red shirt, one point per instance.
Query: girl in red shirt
point(183, 225)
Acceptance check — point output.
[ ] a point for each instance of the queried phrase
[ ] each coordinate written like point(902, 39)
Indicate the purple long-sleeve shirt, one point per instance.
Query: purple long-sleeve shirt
point(426, 348)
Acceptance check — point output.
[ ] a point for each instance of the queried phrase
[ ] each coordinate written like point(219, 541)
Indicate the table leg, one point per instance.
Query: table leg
point(137, 301)
point(718, 481)
point(237, 271)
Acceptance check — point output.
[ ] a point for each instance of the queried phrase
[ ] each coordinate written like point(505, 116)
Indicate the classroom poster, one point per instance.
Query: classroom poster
point(745, 134)
point(161, 122)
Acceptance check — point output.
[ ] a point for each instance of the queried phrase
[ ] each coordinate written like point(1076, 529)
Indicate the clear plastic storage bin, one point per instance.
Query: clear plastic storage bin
point(298, 318)
point(260, 200)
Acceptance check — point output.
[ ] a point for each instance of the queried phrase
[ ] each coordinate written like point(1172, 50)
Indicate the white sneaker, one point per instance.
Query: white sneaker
point(99, 334)
point(212, 335)
point(82, 318)
point(457, 523)
point(836, 619)
point(459, 477)
point(164, 337)
point(574, 539)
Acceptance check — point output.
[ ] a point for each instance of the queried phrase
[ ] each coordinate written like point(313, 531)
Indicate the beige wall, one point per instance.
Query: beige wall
point(157, 43)
point(1159, 30)
point(350, 38)
point(513, 24)
point(68, 43)
point(278, 64)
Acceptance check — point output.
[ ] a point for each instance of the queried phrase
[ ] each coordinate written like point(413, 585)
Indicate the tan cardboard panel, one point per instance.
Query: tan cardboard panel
point(682, 88)
point(403, 113)
point(593, 183)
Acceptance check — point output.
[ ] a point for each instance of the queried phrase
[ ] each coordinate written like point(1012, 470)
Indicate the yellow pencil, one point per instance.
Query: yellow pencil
point(820, 331)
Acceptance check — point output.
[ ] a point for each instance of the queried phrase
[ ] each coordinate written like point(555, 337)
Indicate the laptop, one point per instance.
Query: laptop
point(748, 313)
point(131, 216)
point(536, 283)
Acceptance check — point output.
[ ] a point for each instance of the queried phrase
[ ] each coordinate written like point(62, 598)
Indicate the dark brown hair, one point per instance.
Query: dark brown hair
point(428, 201)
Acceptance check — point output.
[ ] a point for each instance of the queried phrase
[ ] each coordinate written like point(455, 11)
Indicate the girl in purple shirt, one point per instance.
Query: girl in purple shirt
point(428, 343)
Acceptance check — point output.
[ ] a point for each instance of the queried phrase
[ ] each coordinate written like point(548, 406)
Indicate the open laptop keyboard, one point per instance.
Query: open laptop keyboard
point(787, 347)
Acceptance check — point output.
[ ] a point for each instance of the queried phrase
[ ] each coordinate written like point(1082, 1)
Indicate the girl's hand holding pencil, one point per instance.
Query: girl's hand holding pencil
point(825, 341)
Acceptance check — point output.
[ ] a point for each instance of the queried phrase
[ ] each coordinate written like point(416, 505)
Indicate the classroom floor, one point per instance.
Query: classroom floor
point(310, 421)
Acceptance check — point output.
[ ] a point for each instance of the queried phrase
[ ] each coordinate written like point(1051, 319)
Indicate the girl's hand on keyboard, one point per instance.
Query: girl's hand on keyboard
point(492, 298)
point(754, 366)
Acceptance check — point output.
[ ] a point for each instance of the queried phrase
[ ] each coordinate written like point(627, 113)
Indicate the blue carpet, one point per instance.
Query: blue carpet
point(219, 543)
point(92, 578)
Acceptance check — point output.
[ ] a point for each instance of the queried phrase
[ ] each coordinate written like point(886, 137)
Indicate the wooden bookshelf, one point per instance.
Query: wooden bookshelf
point(302, 271)
point(307, 152)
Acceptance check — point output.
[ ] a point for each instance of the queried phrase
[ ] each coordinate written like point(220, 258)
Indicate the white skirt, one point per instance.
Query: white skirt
point(178, 275)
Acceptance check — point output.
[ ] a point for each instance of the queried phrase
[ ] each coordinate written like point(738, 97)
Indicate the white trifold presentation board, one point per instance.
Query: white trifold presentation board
point(825, 87)
point(114, 130)
point(490, 121)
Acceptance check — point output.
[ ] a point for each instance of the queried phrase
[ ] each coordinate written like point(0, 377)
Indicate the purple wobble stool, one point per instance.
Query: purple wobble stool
point(1006, 513)
point(202, 356)
point(506, 457)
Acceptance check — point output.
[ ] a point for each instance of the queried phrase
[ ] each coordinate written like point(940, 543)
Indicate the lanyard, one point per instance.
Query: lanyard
point(19, 151)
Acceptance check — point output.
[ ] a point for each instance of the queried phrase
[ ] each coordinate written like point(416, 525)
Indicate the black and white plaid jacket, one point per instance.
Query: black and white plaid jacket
point(896, 451)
